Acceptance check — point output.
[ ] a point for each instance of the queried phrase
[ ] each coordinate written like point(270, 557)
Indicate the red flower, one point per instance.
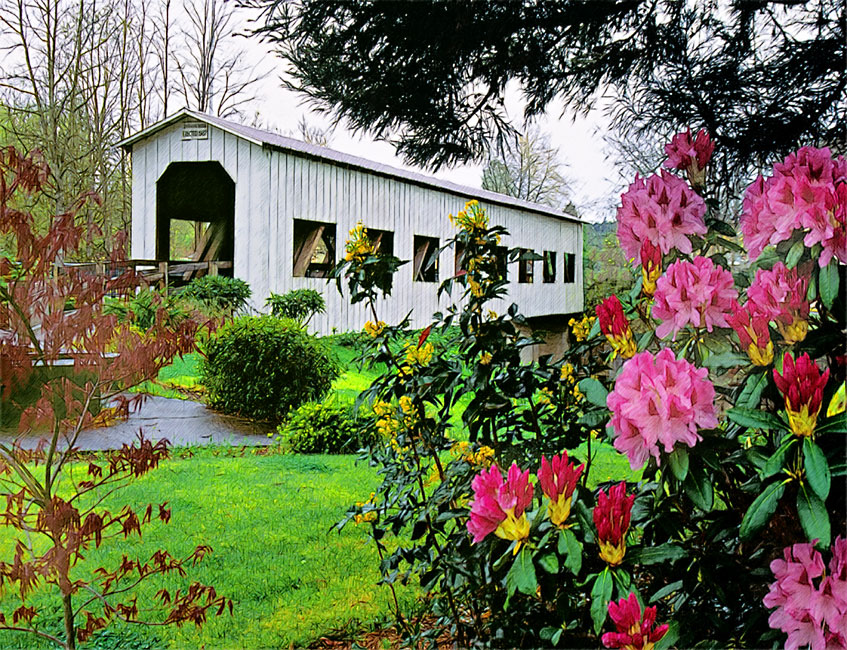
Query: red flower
point(753, 332)
point(802, 384)
point(611, 518)
point(615, 327)
point(558, 481)
point(633, 631)
point(651, 267)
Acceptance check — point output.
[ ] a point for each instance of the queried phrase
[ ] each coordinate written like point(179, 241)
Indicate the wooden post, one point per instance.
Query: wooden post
point(163, 269)
point(213, 268)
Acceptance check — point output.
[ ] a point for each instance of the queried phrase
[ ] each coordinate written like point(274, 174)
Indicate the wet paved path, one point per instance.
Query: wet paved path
point(183, 422)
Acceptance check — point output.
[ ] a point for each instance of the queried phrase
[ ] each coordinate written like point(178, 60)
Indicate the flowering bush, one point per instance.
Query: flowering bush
point(739, 453)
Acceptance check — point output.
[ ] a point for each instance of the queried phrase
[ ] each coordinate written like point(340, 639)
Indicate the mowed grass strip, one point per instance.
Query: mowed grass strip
point(267, 519)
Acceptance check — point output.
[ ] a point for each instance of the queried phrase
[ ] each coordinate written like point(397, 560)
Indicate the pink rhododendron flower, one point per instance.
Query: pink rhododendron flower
point(810, 611)
point(611, 518)
point(634, 632)
point(780, 296)
point(690, 154)
point(697, 293)
point(753, 333)
point(656, 400)
point(615, 327)
point(806, 192)
point(801, 384)
point(558, 479)
point(662, 210)
point(498, 507)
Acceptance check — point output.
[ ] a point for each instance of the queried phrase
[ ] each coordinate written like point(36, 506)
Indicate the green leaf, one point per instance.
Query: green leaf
point(794, 254)
point(761, 509)
point(571, 550)
point(817, 468)
point(550, 563)
point(601, 594)
point(521, 576)
point(644, 340)
point(754, 419)
point(670, 638)
point(752, 391)
point(667, 552)
point(828, 284)
point(812, 293)
point(776, 461)
point(678, 460)
point(813, 517)
point(726, 360)
point(594, 391)
point(666, 591)
point(698, 487)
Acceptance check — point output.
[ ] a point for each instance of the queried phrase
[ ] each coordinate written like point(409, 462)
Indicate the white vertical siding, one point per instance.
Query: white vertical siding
point(272, 188)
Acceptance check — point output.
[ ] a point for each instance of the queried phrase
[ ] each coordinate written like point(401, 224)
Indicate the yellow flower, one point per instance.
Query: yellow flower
point(358, 247)
point(581, 328)
point(577, 393)
point(471, 219)
point(374, 330)
point(544, 396)
point(567, 373)
point(485, 358)
point(420, 356)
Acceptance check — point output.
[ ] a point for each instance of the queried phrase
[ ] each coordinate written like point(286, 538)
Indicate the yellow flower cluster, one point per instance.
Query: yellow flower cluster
point(359, 247)
point(392, 420)
point(577, 393)
point(581, 328)
point(374, 329)
point(418, 356)
point(471, 219)
point(567, 373)
point(482, 457)
point(365, 516)
point(545, 395)
point(485, 358)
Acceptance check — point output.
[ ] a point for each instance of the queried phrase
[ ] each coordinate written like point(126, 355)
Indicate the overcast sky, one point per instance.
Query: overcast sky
point(579, 140)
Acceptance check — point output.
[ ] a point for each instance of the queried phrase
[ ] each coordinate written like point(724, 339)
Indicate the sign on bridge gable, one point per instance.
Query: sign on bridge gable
point(195, 131)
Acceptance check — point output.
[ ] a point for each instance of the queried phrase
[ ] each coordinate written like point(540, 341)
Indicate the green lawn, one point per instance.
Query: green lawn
point(267, 519)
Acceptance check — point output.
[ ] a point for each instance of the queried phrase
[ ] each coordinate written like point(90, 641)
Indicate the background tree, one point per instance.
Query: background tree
point(759, 75)
point(213, 78)
point(529, 168)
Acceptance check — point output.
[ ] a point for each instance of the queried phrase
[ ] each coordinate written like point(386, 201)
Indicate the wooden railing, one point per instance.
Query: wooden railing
point(165, 273)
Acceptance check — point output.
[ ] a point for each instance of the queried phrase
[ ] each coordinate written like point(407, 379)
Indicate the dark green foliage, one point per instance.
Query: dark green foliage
point(434, 74)
point(261, 367)
point(325, 428)
point(298, 304)
point(141, 309)
point(218, 293)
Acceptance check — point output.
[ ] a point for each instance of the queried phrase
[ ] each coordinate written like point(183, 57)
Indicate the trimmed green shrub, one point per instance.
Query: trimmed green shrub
point(218, 292)
point(261, 367)
point(299, 304)
point(325, 428)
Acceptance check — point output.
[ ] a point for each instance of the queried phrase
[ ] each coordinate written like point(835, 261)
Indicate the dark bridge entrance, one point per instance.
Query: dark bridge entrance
point(195, 213)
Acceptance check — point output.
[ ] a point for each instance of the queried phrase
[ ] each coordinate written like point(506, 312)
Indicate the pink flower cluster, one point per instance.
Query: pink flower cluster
point(779, 295)
point(663, 210)
point(698, 292)
point(806, 192)
point(811, 615)
point(634, 632)
point(498, 507)
point(690, 154)
point(659, 399)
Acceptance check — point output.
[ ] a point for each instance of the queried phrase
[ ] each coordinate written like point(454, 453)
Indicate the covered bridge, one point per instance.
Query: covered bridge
point(279, 210)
